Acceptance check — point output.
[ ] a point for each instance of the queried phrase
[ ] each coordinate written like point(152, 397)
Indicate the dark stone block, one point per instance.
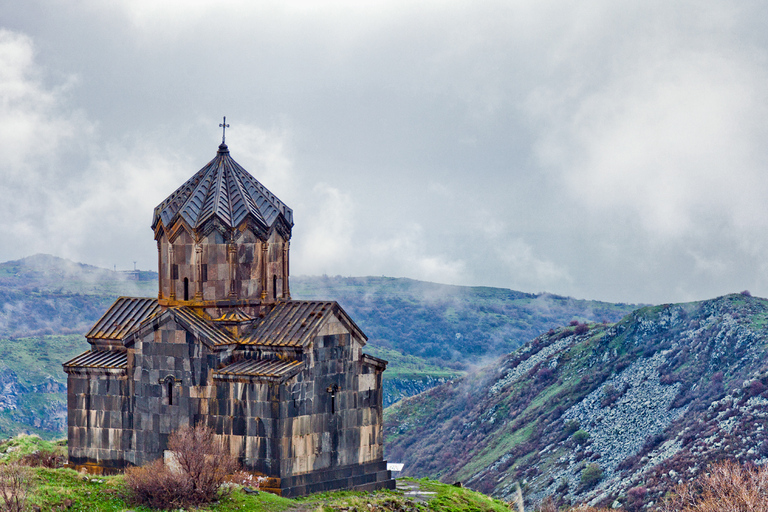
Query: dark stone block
point(219, 428)
point(238, 425)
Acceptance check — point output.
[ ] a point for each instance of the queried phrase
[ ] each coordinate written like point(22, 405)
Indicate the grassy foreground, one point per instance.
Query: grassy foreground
point(66, 489)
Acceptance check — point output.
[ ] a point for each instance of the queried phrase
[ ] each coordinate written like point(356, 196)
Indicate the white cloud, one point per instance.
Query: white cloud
point(326, 232)
point(527, 270)
point(594, 148)
point(667, 136)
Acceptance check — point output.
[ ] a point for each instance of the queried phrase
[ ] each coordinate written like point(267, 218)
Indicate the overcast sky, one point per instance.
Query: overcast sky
point(599, 149)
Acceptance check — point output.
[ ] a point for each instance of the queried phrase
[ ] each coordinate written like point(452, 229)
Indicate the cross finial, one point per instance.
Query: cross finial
point(223, 127)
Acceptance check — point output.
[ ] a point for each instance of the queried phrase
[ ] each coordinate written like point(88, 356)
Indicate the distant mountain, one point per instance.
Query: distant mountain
point(429, 332)
point(600, 413)
point(43, 294)
point(453, 326)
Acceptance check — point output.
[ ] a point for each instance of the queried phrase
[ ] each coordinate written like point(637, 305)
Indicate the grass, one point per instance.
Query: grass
point(60, 489)
point(456, 499)
point(63, 488)
point(40, 356)
point(404, 366)
point(17, 447)
point(502, 444)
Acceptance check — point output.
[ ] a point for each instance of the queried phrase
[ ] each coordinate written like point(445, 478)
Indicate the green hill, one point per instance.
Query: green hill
point(590, 411)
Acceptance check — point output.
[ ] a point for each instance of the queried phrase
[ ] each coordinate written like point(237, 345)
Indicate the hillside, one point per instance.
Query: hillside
point(454, 326)
point(43, 294)
point(430, 333)
point(588, 412)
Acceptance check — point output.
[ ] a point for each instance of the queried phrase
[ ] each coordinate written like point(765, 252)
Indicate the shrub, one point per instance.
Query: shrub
point(580, 436)
point(635, 498)
point(581, 329)
point(573, 323)
point(15, 484)
point(610, 395)
point(155, 486)
point(44, 458)
point(544, 375)
point(727, 486)
point(590, 475)
point(571, 426)
point(198, 467)
point(756, 387)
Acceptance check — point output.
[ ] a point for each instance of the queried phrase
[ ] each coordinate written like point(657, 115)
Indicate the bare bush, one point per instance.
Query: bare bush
point(44, 458)
point(727, 486)
point(581, 328)
point(200, 465)
point(155, 486)
point(15, 485)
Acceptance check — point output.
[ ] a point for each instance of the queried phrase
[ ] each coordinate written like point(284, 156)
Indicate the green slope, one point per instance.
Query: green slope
point(649, 400)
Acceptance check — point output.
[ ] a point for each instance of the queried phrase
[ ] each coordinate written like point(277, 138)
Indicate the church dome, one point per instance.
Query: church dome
point(223, 193)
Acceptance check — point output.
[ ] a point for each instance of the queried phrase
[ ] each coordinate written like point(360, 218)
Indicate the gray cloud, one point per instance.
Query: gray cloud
point(601, 150)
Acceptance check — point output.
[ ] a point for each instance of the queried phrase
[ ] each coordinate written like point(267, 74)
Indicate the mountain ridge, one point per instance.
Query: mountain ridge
point(586, 413)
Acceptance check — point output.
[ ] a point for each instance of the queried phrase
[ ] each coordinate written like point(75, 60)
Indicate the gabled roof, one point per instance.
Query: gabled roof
point(225, 191)
point(292, 323)
point(106, 359)
point(203, 330)
point(122, 318)
point(264, 369)
point(296, 322)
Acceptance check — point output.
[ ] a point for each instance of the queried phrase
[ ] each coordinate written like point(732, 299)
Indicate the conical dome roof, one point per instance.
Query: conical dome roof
point(225, 192)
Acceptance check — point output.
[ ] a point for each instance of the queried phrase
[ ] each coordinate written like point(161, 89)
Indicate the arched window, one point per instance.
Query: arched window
point(186, 288)
point(169, 381)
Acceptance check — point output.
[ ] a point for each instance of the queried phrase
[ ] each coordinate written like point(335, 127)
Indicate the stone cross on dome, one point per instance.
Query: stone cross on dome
point(223, 127)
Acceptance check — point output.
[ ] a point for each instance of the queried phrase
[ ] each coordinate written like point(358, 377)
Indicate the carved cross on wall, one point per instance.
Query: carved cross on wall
point(223, 127)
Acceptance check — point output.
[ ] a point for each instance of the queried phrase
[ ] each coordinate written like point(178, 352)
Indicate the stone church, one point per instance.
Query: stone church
point(284, 382)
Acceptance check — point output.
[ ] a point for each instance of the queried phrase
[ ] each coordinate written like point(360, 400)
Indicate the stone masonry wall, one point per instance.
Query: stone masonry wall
point(245, 413)
point(330, 413)
point(171, 385)
point(99, 417)
point(208, 266)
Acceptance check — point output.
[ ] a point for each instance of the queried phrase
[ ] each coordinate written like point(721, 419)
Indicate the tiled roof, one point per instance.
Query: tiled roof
point(99, 359)
point(122, 317)
point(224, 190)
point(291, 323)
point(266, 369)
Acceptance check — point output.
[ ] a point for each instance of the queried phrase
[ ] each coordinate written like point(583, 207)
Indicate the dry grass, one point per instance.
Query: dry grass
point(728, 487)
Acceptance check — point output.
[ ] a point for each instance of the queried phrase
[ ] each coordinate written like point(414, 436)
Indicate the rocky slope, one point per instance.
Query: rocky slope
point(601, 413)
